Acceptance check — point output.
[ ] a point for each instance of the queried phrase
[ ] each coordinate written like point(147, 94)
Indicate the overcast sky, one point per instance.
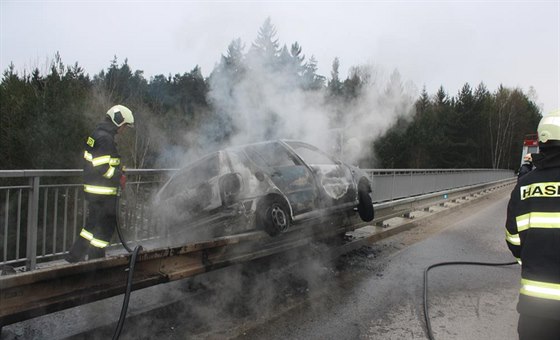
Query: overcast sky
point(431, 43)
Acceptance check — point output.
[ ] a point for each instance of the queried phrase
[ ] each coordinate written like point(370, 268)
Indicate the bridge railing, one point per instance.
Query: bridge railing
point(391, 184)
point(43, 211)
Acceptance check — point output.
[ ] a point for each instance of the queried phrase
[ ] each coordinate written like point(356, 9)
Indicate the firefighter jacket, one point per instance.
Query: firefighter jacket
point(102, 169)
point(533, 236)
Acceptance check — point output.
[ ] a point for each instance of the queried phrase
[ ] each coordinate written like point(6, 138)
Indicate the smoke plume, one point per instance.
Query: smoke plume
point(265, 105)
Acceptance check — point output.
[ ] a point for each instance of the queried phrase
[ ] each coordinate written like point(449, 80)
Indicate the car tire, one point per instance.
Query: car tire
point(274, 216)
point(365, 204)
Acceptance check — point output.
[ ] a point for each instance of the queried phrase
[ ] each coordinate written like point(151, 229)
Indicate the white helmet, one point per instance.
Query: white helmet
point(549, 130)
point(121, 115)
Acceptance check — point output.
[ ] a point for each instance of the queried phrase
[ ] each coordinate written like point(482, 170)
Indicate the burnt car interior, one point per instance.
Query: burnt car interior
point(191, 177)
point(190, 188)
point(287, 172)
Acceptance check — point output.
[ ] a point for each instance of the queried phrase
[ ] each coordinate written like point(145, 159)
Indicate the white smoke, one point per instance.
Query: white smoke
point(266, 105)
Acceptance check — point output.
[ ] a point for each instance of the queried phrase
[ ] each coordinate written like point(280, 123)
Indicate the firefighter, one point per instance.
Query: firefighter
point(103, 179)
point(533, 236)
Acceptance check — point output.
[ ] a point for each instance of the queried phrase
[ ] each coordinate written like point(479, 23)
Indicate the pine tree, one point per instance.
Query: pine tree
point(265, 50)
point(334, 85)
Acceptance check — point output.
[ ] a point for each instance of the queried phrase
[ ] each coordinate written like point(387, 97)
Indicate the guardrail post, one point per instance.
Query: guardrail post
point(411, 188)
point(32, 219)
point(393, 186)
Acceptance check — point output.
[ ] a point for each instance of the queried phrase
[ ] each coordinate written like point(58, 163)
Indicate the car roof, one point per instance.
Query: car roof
point(279, 141)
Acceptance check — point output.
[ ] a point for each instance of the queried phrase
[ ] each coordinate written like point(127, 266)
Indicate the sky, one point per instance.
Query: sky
point(430, 43)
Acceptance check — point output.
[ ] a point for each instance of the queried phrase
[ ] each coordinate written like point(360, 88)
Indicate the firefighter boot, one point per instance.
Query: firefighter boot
point(78, 251)
point(96, 253)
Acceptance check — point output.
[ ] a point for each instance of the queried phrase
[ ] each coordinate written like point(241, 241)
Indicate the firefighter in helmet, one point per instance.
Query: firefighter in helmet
point(533, 236)
point(526, 167)
point(103, 180)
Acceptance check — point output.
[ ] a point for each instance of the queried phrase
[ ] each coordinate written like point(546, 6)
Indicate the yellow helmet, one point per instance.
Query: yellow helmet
point(121, 115)
point(549, 129)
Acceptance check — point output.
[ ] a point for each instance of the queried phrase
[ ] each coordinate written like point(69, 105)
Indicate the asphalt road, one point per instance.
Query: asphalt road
point(380, 296)
point(372, 293)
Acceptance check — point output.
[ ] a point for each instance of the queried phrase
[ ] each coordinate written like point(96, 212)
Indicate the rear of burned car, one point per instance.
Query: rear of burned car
point(214, 196)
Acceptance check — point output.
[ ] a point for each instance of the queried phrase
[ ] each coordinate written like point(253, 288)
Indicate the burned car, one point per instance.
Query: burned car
point(269, 185)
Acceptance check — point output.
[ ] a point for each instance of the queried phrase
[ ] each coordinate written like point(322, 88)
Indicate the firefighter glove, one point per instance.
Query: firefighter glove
point(123, 181)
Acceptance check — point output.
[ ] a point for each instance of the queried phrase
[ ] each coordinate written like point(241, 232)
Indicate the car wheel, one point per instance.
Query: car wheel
point(365, 205)
point(274, 216)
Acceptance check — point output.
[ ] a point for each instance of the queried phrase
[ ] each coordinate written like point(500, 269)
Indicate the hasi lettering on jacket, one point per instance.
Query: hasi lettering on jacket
point(551, 189)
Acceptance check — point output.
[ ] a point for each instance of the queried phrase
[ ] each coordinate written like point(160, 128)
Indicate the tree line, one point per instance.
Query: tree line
point(45, 117)
point(474, 129)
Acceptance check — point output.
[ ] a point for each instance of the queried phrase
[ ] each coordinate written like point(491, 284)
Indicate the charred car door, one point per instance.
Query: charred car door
point(334, 179)
point(287, 173)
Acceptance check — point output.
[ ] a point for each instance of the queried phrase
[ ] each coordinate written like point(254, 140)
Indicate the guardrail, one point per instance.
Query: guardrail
point(42, 211)
point(391, 184)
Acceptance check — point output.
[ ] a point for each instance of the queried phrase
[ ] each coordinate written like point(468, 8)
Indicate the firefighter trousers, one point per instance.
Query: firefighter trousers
point(535, 328)
point(100, 225)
